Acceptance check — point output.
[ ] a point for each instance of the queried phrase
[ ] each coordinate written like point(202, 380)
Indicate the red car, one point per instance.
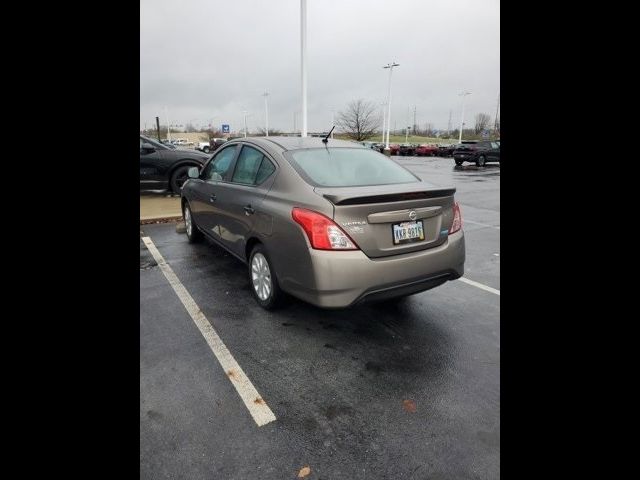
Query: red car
point(430, 150)
point(395, 148)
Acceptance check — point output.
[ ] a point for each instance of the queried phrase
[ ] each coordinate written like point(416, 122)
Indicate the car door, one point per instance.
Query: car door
point(152, 166)
point(206, 188)
point(240, 200)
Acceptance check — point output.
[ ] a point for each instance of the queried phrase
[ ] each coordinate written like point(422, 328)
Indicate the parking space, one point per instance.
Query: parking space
point(403, 390)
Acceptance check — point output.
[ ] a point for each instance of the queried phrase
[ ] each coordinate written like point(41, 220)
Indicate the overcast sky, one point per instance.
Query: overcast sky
point(209, 60)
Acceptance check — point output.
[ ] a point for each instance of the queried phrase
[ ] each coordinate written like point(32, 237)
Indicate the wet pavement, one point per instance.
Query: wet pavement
point(409, 390)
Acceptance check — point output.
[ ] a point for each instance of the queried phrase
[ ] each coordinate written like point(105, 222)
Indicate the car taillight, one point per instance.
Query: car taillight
point(323, 233)
point(457, 219)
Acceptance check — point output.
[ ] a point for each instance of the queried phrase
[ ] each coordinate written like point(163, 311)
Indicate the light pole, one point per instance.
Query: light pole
point(384, 119)
point(266, 114)
point(390, 66)
point(495, 123)
point(244, 113)
point(303, 55)
point(464, 94)
point(333, 120)
point(166, 114)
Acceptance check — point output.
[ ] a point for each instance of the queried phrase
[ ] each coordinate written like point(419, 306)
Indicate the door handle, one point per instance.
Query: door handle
point(213, 197)
point(248, 210)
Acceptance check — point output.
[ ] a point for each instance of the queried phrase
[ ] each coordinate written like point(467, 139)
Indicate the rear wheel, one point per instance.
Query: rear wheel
point(481, 161)
point(458, 162)
point(264, 284)
point(178, 177)
point(193, 234)
point(205, 149)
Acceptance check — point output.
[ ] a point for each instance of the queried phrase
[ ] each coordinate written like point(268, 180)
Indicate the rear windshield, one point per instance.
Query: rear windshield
point(347, 167)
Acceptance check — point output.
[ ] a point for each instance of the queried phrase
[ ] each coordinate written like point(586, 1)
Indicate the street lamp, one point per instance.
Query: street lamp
point(303, 56)
point(390, 66)
point(462, 119)
point(384, 119)
point(166, 114)
point(266, 114)
point(333, 120)
point(244, 113)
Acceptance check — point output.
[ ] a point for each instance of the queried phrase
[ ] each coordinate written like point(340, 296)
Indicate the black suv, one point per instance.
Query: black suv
point(478, 152)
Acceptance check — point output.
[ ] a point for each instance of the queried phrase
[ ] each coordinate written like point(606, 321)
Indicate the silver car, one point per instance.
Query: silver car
point(328, 222)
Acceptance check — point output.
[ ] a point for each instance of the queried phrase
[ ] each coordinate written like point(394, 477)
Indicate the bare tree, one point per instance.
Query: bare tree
point(482, 122)
point(273, 132)
point(360, 120)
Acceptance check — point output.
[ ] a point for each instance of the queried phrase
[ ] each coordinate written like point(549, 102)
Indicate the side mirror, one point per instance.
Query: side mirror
point(193, 172)
point(148, 147)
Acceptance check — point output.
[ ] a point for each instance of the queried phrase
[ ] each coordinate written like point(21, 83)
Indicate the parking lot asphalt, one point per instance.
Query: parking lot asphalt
point(407, 390)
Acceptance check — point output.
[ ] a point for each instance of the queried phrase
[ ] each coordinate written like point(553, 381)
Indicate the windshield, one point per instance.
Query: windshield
point(152, 142)
point(347, 167)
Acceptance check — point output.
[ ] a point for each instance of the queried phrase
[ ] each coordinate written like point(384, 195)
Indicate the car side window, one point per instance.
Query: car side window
point(494, 145)
point(247, 166)
point(219, 165)
point(252, 167)
point(265, 170)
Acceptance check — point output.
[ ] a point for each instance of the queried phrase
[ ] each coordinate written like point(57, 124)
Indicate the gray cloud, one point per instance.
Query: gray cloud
point(204, 59)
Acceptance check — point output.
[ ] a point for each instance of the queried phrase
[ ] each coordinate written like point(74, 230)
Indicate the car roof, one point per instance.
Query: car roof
point(298, 143)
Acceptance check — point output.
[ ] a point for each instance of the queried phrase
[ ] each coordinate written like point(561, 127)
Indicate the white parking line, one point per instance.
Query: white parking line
point(480, 285)
point(478, 223)
point(257, 407)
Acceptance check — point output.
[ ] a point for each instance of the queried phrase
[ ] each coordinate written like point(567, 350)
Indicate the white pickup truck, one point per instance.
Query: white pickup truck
point(211, 145)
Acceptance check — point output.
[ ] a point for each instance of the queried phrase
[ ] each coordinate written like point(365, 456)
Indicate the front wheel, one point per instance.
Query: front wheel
point(459, 162)
point(264, 284)
point(178, 178)
point(481, 161)
point(205, 149)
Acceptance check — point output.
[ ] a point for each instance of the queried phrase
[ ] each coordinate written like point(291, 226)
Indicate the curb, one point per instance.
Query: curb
point(172, 219)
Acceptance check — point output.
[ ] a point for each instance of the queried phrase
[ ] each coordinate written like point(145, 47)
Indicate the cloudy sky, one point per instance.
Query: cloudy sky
point(208, 60)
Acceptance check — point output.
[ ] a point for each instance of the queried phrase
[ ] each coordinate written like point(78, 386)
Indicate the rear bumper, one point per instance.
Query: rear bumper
point(342, 279)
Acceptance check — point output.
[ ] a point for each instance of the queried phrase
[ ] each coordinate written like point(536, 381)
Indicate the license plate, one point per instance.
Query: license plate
point(407, 232)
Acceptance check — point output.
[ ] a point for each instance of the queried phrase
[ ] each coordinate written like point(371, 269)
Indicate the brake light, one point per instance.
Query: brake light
point(323, 233)
point(457, 219)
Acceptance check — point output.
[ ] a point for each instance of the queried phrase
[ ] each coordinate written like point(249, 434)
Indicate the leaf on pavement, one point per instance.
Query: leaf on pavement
point(304, 471)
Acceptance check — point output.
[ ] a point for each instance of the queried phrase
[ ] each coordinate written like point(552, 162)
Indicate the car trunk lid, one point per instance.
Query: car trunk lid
point(382, 219)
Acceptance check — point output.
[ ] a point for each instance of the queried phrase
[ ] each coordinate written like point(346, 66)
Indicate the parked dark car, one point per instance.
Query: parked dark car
point(368, 144)
point(163, 167)
point(378, 147)
point(333, 224)
point(446, 150)
point(407, 150)
point(477, 152)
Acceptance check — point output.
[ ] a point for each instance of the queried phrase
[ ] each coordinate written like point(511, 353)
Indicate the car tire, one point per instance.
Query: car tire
point(205, 149)
point(459, 162)
point(178, 177)
point(481, 161)
point(262, 279)
point(193, 233)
